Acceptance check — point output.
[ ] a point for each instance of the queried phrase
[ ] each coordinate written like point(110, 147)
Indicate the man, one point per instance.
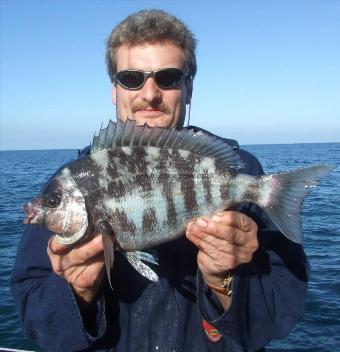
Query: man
point(236, 285)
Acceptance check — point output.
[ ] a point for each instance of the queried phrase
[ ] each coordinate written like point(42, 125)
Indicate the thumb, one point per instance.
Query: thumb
point(55, 247)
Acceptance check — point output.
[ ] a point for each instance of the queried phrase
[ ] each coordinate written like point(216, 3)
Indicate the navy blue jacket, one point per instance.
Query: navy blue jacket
point(139, 315)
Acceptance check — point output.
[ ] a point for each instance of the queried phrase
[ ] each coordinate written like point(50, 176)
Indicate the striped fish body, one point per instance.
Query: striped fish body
point(148, 194)
point(139, 187)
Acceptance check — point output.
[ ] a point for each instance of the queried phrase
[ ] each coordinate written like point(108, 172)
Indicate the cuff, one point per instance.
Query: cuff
point(72, 330)
point(208, 304)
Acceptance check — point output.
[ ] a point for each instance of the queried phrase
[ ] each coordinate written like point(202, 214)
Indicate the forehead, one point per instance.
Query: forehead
point(149, 56)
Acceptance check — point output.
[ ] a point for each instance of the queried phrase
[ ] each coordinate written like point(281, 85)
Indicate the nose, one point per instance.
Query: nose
point(150, 92)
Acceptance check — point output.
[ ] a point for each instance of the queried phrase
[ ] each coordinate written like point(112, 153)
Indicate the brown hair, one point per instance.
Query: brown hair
point(151, 26)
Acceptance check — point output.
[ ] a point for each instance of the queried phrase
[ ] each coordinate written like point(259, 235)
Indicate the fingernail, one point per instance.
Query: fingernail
point(202, 222)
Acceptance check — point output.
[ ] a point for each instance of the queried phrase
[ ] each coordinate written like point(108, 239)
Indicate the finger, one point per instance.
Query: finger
point(79, 255)
point(212, 246)
point(212, 226)
point(216, 258)
point(236, 219)
point(232, 235)
point(85, 279)
point(86, 275)
point(208, 242)
point(54, 247)
point(245, 229)
point(215, 267)
point(84, 252)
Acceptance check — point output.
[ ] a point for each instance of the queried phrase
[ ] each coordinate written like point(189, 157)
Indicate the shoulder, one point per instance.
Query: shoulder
point(83, 152)
point(252, 166)
point(232, 142)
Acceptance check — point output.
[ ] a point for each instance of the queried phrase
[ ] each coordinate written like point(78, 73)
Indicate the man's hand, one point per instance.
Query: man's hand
point(81, 265)
point(225, 241)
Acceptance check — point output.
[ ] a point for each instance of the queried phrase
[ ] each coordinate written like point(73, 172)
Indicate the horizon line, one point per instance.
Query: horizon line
point(245, 145)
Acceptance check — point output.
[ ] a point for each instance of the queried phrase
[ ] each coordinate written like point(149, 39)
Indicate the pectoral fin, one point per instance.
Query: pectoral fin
point(143, 269)
point(145, 257)
point(105, 229)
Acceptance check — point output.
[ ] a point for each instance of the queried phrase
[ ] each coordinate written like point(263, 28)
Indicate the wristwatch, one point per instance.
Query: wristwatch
point(225, 288)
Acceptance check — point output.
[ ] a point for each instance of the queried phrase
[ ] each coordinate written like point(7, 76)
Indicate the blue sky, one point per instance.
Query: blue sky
point(268, 71)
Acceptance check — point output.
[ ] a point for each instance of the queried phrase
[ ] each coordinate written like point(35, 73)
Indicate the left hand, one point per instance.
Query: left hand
point(225, 241)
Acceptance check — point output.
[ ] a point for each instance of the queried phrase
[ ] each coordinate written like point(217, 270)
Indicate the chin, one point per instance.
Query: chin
point(154, 121)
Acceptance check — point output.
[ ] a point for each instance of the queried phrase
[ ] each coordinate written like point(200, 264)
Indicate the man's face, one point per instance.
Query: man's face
point(151, 104)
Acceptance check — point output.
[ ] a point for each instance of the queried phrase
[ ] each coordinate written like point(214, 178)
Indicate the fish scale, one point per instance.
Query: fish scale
point(182, 182)
point(140, 186)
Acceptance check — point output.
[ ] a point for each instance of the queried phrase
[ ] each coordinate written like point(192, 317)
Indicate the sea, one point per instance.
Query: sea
point(24, 172)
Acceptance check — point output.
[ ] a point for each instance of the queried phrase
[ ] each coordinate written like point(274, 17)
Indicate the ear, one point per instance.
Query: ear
point(114, 94)
point(189, 87)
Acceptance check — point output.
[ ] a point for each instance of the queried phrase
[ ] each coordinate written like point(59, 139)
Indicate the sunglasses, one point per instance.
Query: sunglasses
point(165, 78)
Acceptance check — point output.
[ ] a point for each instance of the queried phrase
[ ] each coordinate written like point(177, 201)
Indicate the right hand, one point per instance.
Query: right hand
point(81, 265)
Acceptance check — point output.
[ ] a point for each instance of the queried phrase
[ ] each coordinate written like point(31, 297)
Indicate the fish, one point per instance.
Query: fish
point(139, 186)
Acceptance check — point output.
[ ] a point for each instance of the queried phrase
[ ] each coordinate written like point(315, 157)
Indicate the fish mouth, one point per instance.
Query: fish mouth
point(31, 210)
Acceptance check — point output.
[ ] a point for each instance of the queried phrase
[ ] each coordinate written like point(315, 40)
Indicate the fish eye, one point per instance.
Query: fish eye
point(53, 200)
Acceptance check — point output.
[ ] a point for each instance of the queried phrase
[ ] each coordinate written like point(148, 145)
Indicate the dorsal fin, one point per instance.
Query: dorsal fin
point(128, 134)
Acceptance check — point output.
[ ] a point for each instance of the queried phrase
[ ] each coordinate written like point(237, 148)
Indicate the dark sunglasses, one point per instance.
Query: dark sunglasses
point(165, 78)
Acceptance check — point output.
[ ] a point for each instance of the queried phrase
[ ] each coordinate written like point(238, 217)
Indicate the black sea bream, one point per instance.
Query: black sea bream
point(140, 186)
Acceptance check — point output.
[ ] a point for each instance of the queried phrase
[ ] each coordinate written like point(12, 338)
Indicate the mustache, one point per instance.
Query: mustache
point(142, 106)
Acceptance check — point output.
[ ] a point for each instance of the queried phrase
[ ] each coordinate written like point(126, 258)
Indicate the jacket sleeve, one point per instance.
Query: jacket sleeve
point(268, 293)
point(45, 302)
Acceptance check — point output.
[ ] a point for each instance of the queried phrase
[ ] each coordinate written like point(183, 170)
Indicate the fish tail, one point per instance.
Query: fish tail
point(283, 195)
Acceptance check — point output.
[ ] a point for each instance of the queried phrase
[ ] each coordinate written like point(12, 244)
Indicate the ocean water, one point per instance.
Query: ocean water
point(24, 172)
